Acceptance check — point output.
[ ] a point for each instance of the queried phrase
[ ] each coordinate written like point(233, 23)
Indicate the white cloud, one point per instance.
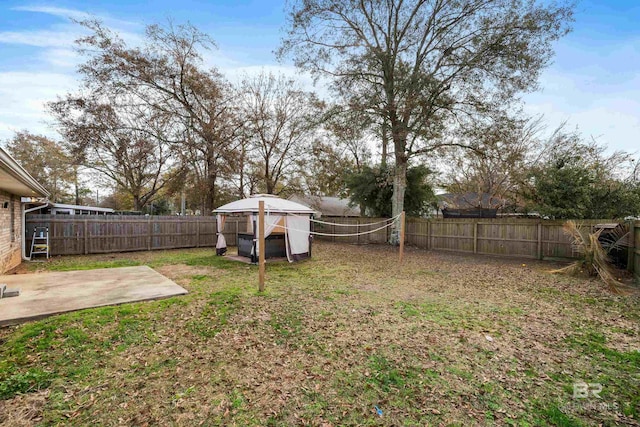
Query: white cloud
point(25, 93)
point(61, 58)
point(77, 15)
point(215, 58)
point(597, 90)
point(55, 11)
point(24, 97)
point(64, 35)
point(613, 122)
point(40, 38)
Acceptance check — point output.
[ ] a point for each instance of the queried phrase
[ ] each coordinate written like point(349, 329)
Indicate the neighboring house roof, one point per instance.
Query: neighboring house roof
point(80, 207)
point(470, 200)
point(271, 203)
point(52, 205)
point(15, 180)
point(328, 206)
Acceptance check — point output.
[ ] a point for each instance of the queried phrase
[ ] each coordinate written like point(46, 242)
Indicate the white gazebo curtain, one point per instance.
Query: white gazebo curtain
point(298, 229)
point(221, 243)
point(271, 222)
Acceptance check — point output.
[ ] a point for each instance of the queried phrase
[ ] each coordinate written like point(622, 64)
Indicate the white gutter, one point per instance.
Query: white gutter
point(18, 172)
point(24, 231)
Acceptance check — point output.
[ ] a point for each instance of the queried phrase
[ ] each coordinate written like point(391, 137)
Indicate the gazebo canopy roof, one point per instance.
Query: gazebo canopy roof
point(271, 204)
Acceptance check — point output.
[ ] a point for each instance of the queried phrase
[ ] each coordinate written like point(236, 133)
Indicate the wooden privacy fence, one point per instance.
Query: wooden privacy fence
point(355, 225)
point(91, 234)
point(504, 237)
point(525, 238)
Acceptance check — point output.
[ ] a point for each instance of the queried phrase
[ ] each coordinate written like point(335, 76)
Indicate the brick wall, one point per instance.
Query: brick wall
point(10, 231)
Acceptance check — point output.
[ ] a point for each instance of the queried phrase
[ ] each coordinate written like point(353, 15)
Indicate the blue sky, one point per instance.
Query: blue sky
point(594, 83)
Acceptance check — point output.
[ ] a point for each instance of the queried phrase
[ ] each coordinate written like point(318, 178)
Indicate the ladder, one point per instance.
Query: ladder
point(40, 242)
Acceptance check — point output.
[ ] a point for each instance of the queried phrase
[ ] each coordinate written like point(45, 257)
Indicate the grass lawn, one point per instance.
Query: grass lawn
point(441, 340)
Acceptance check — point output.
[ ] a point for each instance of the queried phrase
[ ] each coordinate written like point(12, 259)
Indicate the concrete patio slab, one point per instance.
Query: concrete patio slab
point(45, 294)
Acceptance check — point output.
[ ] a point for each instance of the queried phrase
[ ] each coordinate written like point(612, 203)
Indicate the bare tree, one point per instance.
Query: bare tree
point(507, 148)
point(167, 75)
point(351, 133)
point(281, 121)
point(125, 142)
point(424, 67)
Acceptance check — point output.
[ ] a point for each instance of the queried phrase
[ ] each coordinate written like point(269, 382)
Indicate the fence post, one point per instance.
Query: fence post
point(86, 237)
point(631, 248)
point(475, 237)
point(149, 238)
point(358, 231)
point(428, 242)
point(197, 232)
point(540, 254)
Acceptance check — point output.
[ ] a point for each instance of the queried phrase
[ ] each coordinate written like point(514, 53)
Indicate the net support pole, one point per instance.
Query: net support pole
point(401, 236)
point(262, 248)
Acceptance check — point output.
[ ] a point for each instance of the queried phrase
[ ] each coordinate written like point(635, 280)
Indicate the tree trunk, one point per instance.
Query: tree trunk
point(397, 201)
point(241, 192)
point(210, 196)
point(385, 144)
point(269, 187)
point(241, 166)
point(399, 137)
point(75, 182)
point(136, 203)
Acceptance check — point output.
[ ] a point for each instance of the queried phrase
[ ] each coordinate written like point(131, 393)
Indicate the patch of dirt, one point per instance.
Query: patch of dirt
point(183, 272)
point(23, 410)
point(20, 269)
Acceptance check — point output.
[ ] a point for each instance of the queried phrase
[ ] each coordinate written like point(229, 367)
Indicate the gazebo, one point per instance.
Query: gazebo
point(287, 227)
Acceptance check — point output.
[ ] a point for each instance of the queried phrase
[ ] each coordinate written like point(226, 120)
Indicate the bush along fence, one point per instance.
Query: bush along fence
point(525, 238)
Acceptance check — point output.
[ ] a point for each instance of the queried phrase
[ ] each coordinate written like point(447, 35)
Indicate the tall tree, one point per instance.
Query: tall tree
point(167, 75)
point(424, 66)
point(281, 121)
point(350, 131)
point(372, 188)
point(123, 141)
point(47, 161)
point(576, 179)
point(322, 171)
point(507, 149)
